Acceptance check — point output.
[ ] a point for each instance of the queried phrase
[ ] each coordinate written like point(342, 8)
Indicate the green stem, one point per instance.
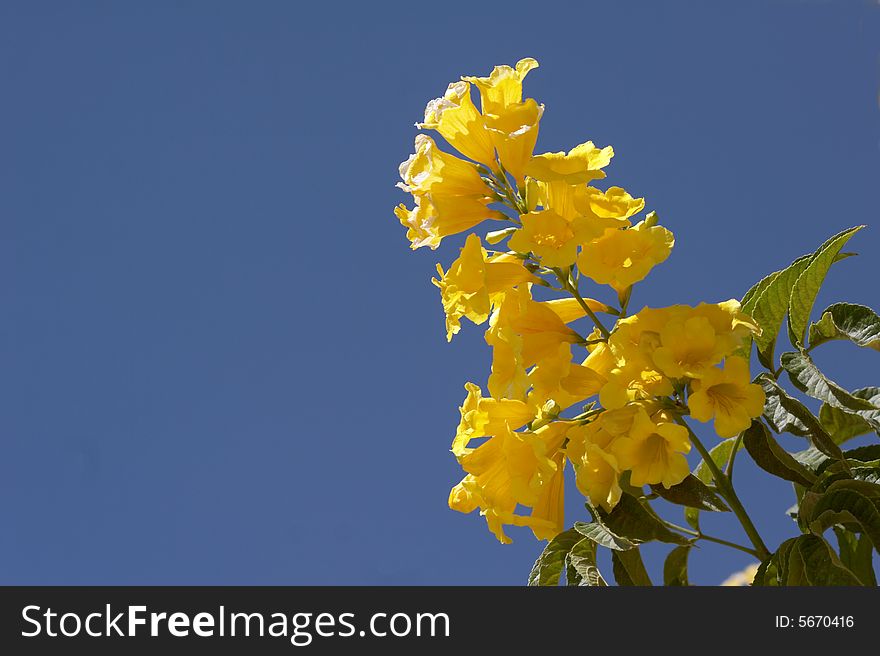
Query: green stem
point(726, 490)
point(730, 461)
point(586, 308)
point(709, 538)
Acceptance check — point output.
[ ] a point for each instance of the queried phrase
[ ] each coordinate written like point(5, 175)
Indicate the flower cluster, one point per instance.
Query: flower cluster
point(636, 377)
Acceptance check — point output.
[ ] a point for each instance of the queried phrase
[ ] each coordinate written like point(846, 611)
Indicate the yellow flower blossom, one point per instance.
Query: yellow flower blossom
point(513, 469)
point(653, 450)
point(467, 288)
point(621, 258)
point(615, 203)
point(694, 339)
point(514, 133)
point(556, 377)
point(549, 236)
point(729, 396)
point(431, 171)
point(597, 471)
point(436, 217)
point(457, 119)
point(503, 87)
point(487, 416)
point(581, 164)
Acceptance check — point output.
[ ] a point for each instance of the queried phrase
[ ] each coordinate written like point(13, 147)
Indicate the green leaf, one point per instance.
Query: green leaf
point(750, 298)
point(857, 323)
point(548, 567)
point(694, 493)
point(804, 560)
point(780, 419)
point(845, 502)
point(805, 375)
point(774, 570)
point(843, 425)
point(603, 536)
point(856, 555)
point(798, 411)
point(769, 307)
point(629, 568)
point(804, 292)
point(630, 519)
point(772, 458)
point(675, 568)
point(582, 569)
point(812, 561)
point(811, 458)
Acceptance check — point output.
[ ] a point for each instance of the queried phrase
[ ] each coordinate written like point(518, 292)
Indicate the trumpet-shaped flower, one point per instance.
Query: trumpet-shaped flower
point(487, 416)
point(549, 236)
point(457, 119)
point(597, 471)
point(436, 217)
point(467, 288)
point(581, 164)
point(729, 396)
point(621, 258)
point(653, 450)
point(514, 133)
point(513, 469)
point(503, 87)
point(694, 339)
point(431, 171)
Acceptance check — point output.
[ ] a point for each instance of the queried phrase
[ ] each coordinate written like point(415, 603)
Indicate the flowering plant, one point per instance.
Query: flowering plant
point(575, 380)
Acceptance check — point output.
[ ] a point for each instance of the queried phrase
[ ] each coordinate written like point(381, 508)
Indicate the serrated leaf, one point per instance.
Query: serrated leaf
point(812, 561)
point(856, 554)
point(548, 567)
point(629, 568)
point(805, 375)
point(582, 569)
point(780, 419)
point(773, 571)
point(842, 504)
point(694, 493)
point(603, 536)
point(675, 567)
point(811, 458)
point(770, 307)
point(772, 458)
point(799, 412)
point(804, 291)
point(842, 425)
point(630, 519)
point(857, 323)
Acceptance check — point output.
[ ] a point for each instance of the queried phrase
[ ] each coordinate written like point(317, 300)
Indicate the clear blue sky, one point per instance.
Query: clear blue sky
point(219, 360)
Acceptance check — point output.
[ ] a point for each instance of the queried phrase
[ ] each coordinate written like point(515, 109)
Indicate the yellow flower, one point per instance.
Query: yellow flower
point(653, 450)
point(556, 377)
point(467, 288)
point(487, 416)
point(549, 236)
point(694, 339)
point(436, 217)
point(457, 119)
point(596, 467)
point(513, 469)
point(615, 203)
point(621, 258)
point(514, 133)
point(729, 396)
point(581, 164)
point(503, 87)
point(431, 171)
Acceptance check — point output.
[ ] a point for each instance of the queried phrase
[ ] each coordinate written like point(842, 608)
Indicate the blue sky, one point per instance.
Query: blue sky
point(219, 360)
